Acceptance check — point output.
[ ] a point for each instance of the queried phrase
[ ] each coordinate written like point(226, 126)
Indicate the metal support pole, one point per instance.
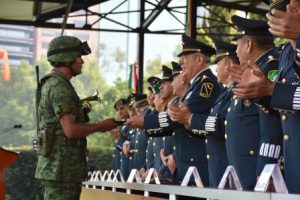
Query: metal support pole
point(191, 18)
point(141, 36)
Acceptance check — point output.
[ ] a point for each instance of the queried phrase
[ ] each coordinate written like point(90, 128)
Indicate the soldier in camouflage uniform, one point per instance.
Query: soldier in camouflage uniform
point(61, 163)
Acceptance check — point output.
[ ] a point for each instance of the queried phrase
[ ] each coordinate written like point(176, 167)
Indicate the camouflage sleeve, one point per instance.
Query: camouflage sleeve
point(62, 99)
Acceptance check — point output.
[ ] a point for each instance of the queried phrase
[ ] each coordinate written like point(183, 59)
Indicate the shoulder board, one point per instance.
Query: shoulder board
point(271, 58)
point(204, 77)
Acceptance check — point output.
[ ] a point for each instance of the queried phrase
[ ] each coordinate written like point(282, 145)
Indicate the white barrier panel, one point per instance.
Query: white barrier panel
point(151, 173)
point(192, 171)
point(111, 176)
point(115, 178)
point(134, 175)
point(271, 171)
point(230, 173)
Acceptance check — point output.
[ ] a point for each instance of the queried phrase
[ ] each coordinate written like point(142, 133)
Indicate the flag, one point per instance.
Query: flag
point(133, 78)
point(5, 66)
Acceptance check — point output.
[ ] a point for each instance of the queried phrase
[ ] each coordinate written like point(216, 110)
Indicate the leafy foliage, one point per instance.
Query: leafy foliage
point(18, 101)
point(19, 178)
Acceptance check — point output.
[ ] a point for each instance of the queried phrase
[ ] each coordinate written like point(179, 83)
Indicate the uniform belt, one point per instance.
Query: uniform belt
point(62, 140)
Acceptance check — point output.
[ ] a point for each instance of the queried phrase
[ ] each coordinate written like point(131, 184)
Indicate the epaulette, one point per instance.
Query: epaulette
point(204, 77)
point(271, 58)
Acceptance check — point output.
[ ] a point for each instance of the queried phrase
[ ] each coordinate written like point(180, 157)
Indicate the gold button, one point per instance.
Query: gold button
point(283, 117)
point(173, 133)
point(283, 80)
point(235, 102)
point(267, 111)
point(225, 136)
point(234, 97)
point(207, 156)
point(206, 141)
point(154, 154)
point(137, 141)
point(114, 155)
point(228, 110)
point(174, 148)
point(225, 122)
point(146, 160)
point(251, 153)
point(153, 143)
point(136, 150)
point(164, 138)
point(286, 137)
point(130, 158)
point(192, 159)
point(146, 150)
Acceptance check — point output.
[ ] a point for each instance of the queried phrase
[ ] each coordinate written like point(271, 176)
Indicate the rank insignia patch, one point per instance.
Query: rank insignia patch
point(206, 90)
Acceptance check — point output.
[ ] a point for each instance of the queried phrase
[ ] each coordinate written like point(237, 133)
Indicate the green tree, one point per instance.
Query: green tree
point(216, 24)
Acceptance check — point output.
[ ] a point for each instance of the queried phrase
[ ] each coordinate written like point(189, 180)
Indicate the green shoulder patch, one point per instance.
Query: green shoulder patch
point(272, 74)
point(206, 90)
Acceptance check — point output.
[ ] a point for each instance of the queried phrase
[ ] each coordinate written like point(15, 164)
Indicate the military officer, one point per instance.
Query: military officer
point(255, 140)
point(122, 108)
point(138, 141)
point(199, 97)
point(213, 123)
point(62, 165)
point(283, 93)
point(116, 161)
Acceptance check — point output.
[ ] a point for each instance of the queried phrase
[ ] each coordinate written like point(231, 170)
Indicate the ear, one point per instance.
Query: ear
point(200, 59)
point(249, 45)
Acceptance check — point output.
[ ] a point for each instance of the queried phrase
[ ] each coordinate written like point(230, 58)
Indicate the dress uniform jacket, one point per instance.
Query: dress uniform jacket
point(138, 146)
point(116, 161)
point(243, 132)
point(189, 151)
point(286, 98)
point(126, 163)
point(215, 141)
point(270, 125)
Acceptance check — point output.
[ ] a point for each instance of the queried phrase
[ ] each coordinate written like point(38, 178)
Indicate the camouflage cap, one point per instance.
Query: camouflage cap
point(66, 48)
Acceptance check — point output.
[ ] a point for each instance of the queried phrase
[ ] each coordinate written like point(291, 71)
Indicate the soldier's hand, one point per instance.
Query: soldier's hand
point(142, 171)
point(254, 84)
point(235, 71)
point(180, 114)
point(163, 157)
point(126, 148)
point(136, 121)
point(210, 123)
point(285, 24)
point(144, 175)
point(107, 125)
point(171, 164)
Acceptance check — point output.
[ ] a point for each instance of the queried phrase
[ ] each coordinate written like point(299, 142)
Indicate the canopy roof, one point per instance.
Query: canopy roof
point(40, 13)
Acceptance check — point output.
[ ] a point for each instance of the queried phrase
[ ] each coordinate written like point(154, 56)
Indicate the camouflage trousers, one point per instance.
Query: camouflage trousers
point(55, 190)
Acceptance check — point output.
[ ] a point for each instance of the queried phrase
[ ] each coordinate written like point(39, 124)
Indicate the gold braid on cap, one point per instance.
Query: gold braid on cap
point(274, 2)
point(222, 54)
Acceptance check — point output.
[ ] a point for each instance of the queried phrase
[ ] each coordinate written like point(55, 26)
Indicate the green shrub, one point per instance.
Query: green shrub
point(20, 183)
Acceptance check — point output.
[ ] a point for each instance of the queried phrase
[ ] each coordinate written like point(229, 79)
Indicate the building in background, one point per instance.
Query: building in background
point(30, 43)
point(18, 41)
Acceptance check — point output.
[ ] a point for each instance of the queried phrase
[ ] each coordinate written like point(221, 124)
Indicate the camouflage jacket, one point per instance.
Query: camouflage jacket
point(66, 162)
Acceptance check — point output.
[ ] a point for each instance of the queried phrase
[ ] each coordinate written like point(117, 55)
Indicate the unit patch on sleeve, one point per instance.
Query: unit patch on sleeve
point(206, 90)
